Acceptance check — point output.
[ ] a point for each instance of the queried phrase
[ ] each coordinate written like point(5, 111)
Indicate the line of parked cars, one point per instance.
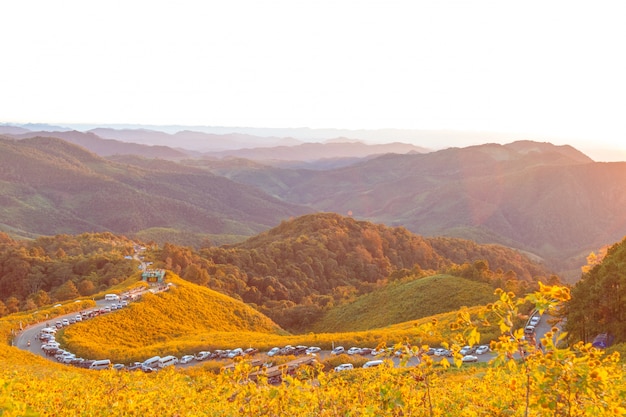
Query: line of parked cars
point(51, 347)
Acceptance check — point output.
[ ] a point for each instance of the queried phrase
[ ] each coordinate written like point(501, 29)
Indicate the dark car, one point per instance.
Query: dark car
point(250, 351)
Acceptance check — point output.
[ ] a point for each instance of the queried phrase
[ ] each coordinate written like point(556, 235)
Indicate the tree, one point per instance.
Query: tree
point(197, 275)
point(12, 305)
point(67, 291)
point(86, 287)
point(41, 298)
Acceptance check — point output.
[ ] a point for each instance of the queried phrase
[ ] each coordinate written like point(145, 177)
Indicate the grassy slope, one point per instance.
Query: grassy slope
point(405, 301)
point(166, 321)
point(190, 318)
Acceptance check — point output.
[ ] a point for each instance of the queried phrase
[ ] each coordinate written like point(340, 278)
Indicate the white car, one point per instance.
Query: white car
point(482, 349)
point(470, 358)
point(235, 352)
point(202, 355)
point(441, 352)
point(273, 351)
point(354, 350)
point(312, 350)
point(466, 350)
point(344, 367)
point(186, 359)
point(337, 351)
point(534, 320)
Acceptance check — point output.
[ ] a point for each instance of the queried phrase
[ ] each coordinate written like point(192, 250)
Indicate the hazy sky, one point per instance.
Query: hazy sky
point(554, 68)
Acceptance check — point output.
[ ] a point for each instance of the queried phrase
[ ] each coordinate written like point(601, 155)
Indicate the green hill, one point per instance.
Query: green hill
point(405, 301)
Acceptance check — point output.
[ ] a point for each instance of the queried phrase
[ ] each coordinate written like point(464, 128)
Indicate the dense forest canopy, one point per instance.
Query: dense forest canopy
point(49, 269)
point(598, 302)
point(291, 273)
point(313, 262)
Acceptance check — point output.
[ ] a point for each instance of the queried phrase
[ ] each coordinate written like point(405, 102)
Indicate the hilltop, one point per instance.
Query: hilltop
point(305, 265)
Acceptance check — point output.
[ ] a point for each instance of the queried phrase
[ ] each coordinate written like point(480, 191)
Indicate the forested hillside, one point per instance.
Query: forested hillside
point(305, 265)
point(598, 302)
point(50, 269)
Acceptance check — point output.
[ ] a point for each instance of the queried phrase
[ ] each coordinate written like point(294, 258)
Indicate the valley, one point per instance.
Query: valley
point(434, 251)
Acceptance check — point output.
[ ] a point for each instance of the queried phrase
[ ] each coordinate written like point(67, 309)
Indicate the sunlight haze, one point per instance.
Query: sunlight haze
point(551, 69)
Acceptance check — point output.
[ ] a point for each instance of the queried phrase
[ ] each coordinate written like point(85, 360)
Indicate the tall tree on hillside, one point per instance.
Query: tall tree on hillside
point(67, 291)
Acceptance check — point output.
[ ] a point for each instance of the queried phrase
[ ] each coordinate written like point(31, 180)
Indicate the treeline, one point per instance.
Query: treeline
point(598, 303)
point(46, 270)
point(294, 271)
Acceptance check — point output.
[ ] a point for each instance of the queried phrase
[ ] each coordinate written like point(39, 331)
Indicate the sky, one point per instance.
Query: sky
point(550, 69)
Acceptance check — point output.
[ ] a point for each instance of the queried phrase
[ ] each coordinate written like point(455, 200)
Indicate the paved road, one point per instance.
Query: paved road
point(30, 333)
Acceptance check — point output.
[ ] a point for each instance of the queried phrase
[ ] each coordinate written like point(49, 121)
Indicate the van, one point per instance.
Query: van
point(168, 361)
point(101, 364)
point(153, 362)
point(111, 297)
point(372, 364)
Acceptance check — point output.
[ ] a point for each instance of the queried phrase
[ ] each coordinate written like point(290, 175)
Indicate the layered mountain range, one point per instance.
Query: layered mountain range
point(552, 202)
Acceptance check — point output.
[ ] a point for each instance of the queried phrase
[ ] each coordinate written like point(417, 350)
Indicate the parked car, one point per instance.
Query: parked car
point(354, 350)
point(365, 351)
point(134, 366)
point(287, 350)
point(148, 369)
point(441, 352)
point(235, 352)
point(529, 330)
point(482, 349)
point(299, 350)
point(466, 350)
point(167, 361)
point(534, 320)
point(118, 366)
point(250, 351)
point(312, 349)
point(202, 355)
point(371, 364)
point(338, 350)
point(186, 359)
point(470, 358)
point(344, 367)
point(273, 351)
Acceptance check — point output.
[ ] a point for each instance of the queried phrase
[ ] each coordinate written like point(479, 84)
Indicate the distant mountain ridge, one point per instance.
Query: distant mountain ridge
point(549, 200)
point(49, 186)
point(189, 144)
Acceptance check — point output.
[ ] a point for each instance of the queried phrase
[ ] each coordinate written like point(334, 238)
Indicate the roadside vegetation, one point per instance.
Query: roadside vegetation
point(540, 382)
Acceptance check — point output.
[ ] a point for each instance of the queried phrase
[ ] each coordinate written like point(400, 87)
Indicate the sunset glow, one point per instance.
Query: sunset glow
point(553, 70)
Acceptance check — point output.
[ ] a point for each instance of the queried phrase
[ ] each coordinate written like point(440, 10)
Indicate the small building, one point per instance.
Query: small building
point(153, 276)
